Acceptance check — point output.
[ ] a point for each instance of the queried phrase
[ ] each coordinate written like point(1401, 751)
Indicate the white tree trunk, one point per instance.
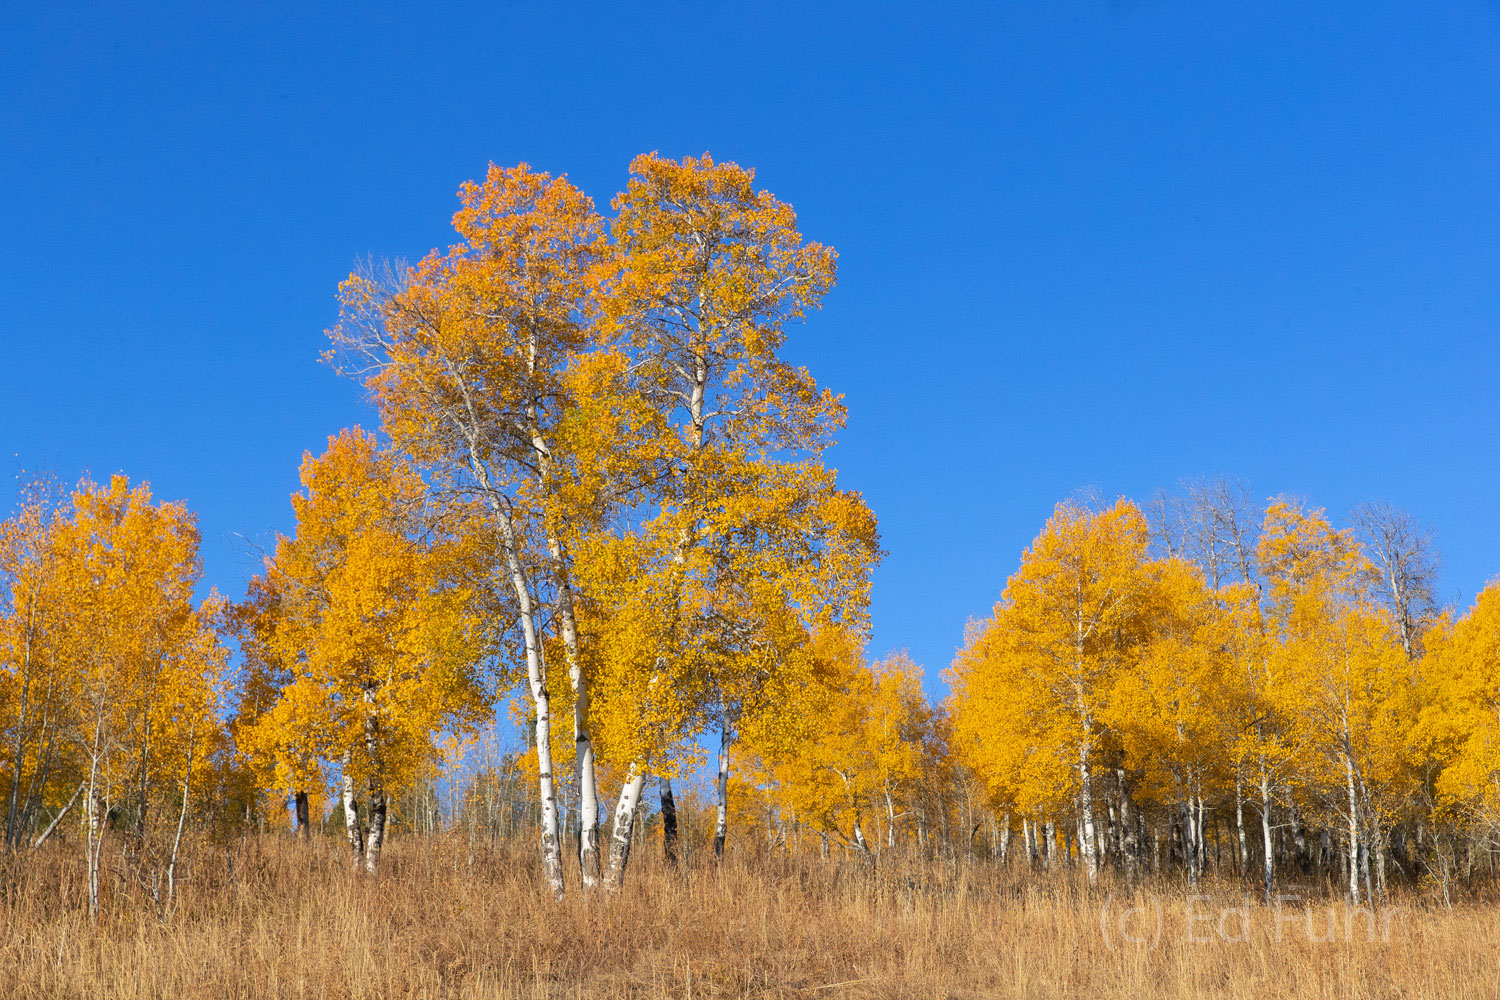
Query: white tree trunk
point(1354, 842)
point(42, 839)
point(1087, 845)
point(351, 815)
point(583, 756)
point(536, 675)
point(1239, 824)
point(181, 816)
point(375, 834)
point(859, 836)
point(620, 836)
point(721, 789)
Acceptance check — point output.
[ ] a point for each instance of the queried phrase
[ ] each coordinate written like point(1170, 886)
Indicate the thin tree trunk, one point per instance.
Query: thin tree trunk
point(536, 674)
point(187, 779)
point(304, 830)
point(1353, 834)
point(620, 836)
point(721, 792)
point(58, 818)
point(352, 831)
point(668, 822)
point(1129, 840)
point(1086, 807)
point(375, 834)
point(1239, 824)
point(94, 839)
point(583, 744)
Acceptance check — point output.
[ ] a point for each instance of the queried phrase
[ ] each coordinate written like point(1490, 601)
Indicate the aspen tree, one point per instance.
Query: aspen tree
point(1460, 725)
point(1162, 704)
point(378, 628)
point(1069, 619)
point(1401, 549)
point(478, 359)
point(1344, 660)
point(143, 656)
point(36, 693)
point(708, 274)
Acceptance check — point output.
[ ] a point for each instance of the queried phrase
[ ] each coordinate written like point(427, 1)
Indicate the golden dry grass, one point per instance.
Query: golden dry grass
point(445, 921)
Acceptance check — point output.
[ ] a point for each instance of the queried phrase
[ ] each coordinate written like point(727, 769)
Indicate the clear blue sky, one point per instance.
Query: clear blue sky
point(1083, 244)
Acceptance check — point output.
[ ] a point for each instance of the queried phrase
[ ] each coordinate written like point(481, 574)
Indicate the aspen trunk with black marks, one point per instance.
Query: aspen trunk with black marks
point(721, 792)
point(890, 820)
point(859, 836)
point(98, 813)
point(352, 830)
point(668, 822)
point(98, 807)
point(1087, 845)
point(583, 745)
point(1130, 845)
point(375, 834)
point(1354, 840)
point(304, 829)
point(1239, 825)
point(620, 836)
point(1268, 860)
point(1187, 818)
point(536, 675)
point(1381, 841)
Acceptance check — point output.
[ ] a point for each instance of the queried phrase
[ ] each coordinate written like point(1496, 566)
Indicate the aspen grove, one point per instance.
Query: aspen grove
point(596, 508)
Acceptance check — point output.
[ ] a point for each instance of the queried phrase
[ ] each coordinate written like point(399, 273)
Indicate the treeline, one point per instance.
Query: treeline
point(597, 507)
point(1220, 684)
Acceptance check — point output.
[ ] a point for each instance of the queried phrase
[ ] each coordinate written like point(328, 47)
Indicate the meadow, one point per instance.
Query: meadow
point(269, 916)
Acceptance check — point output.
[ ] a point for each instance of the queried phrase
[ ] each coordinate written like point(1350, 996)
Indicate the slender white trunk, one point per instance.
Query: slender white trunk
point(1086, 806)
point(536, 675)
point(721, 789)
point(1354, 842)
point(375, 834)
point(187, 778)
point(42, 839)
point(1239, 824)
point(583, 756)
point(97, 813)
point(351, 814)
point(620, 836)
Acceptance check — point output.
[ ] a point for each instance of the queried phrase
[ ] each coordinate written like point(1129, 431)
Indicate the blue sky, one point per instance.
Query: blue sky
point(1103, 244)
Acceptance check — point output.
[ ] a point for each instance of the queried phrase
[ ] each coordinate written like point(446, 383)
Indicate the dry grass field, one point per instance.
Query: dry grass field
point(271, 918)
